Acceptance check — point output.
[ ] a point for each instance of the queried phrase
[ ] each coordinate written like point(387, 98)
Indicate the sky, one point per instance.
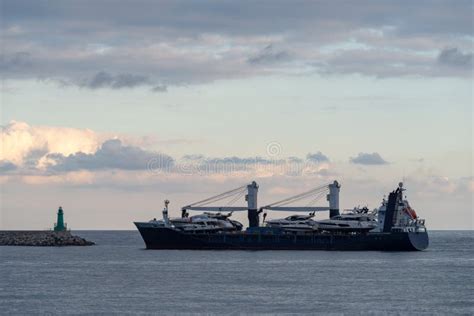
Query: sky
point(110, 107)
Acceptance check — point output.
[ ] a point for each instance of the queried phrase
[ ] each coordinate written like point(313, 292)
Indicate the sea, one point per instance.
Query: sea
point(118, 276)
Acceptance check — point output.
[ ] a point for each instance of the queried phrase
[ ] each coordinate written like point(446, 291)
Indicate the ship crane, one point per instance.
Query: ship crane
point(330, 190)
point(250, 192)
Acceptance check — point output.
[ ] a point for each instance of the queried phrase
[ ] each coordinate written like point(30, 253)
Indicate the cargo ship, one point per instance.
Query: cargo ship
point(394, 226)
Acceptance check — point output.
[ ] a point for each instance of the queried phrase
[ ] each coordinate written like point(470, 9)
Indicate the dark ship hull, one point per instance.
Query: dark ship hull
point(268, 239)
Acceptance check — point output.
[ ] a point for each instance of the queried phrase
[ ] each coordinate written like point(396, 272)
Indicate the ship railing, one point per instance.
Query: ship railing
point(412, 222)
point(419, 222)
point(416, 225)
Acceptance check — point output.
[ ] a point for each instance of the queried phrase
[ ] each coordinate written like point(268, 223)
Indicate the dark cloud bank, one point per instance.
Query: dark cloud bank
point(111, 155)
point(155, 44)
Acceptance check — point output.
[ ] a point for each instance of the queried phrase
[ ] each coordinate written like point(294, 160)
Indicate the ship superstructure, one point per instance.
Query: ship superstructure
point(393, 226)
point(396, 214)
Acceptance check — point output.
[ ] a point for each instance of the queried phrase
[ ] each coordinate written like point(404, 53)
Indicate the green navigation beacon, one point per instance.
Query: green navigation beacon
point(59, 226)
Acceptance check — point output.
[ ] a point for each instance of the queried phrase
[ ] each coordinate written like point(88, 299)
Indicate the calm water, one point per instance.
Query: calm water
point(117, 276)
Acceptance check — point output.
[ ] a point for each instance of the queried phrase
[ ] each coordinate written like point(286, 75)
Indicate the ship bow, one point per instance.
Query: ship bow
point(419, 240)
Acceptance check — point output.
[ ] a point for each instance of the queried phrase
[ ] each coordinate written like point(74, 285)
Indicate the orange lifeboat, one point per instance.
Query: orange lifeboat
point(411, 212)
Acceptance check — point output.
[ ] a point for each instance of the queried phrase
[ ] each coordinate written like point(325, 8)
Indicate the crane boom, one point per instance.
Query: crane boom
point(297, 208)
point(291, 199)
point(218, 197)
point(216, 208)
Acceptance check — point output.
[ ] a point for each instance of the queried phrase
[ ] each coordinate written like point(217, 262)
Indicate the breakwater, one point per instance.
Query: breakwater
point(41, 238)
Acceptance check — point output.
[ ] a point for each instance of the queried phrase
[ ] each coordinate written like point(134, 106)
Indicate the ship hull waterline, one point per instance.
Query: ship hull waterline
point(169, 238)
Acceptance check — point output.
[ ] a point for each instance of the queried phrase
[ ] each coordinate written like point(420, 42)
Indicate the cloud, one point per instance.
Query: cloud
point(368, 159)
point(32, 148)
point(454, 57)
point(200, 164)
point(6, 166)
point(251, 166)
point(15, 61)
point(317, 157)
point(160, 88)
point(149, 43)
point(22, 142)
point(41, 150)
point(105, 80)
point(268, 55)
point(293, 159)
point(327, 173)
point(198, 157)
point(111, 155)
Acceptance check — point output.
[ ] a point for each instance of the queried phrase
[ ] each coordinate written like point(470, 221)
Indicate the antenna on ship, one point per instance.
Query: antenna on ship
point(165, 213)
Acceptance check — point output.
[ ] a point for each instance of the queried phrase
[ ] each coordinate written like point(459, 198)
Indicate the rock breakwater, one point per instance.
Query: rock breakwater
point(41, 238)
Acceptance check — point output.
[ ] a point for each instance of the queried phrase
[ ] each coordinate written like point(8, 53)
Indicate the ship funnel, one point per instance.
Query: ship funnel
point(333, 198)
point(251, 198)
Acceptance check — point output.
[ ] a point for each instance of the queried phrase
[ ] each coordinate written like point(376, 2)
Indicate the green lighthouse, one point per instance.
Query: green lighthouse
point(60, 226)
